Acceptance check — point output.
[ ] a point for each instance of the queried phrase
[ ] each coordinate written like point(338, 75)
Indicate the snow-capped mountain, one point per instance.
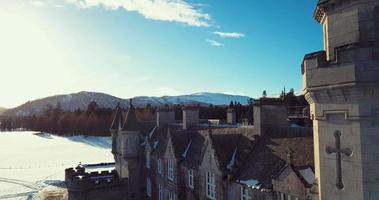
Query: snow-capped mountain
point(82, 99)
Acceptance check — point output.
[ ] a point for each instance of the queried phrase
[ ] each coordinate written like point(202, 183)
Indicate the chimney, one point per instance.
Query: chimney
point(269, 114)
point(165, 116)
point(231, 116)
point(190, 116)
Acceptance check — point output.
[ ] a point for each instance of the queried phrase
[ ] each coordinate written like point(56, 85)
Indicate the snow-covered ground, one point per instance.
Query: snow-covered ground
point(30, 162)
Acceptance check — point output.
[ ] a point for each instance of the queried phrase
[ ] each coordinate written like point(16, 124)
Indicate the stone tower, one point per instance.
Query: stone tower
point(341, 85)
point(128, 152)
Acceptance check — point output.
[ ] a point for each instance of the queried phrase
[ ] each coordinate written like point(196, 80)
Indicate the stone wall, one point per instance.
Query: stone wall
point(95, 185)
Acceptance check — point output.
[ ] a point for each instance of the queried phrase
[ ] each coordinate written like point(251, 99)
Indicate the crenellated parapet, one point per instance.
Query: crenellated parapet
point(353, 64)
point(77, 180)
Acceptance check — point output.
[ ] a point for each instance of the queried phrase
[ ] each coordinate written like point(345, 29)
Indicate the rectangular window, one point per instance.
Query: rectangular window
point(147, 160)
point(210, 189)
point(245, 193)
point(170, 170)
point(171, 196)
point(190, 179)
point(148, 186)
point(160, 192)
point(159, 166)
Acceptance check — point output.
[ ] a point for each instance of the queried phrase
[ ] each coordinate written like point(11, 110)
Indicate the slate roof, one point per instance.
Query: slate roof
point(270, 155)
point(226, 141)
point(188, 145)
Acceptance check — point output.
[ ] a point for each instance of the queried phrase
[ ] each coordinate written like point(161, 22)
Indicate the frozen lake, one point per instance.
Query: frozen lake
point(30, 162)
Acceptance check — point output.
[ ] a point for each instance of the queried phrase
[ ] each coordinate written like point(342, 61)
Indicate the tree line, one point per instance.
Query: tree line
point(95, 120)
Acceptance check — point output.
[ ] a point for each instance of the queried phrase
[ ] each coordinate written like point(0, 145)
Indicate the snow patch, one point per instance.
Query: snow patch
point(232, 161)
point(155, 145)
point(252, 183)
point(308, 175)
point(32, 162)
point(184, 155)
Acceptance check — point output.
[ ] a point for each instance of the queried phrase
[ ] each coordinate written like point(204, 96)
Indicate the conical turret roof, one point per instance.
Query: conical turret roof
point(117, 119)
point(131, 123)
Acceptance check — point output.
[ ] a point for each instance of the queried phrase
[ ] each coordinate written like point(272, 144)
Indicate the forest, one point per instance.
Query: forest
point(96, 120)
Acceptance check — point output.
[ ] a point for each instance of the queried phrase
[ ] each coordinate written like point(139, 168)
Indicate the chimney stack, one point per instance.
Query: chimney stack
point(190, 116)
point(165, 116)
point(269, 113)
point(231, 117)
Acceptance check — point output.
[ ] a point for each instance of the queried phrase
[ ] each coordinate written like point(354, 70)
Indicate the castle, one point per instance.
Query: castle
point(341, 85)
point(201, 159)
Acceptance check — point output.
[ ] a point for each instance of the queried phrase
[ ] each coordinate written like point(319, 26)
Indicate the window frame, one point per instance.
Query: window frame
point(160, 192)
point(171, 196)
point(159, 166)
point(170, 169)
point(148, 160)
point(148, 187)
point(191, 183)
point(245, 193)
point(210, 182)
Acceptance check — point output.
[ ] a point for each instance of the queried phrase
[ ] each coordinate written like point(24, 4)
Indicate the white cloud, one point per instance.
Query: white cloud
point(37, 3)
point(164, 10)
point(229, 34)
point(214, 43)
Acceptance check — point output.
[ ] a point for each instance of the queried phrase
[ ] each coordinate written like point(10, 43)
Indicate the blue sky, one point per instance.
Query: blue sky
point(129, 48)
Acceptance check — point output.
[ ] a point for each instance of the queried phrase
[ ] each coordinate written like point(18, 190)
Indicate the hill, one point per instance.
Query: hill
point(81, 100)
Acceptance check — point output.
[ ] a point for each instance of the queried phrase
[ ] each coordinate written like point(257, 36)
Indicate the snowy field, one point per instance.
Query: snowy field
point(31, 163)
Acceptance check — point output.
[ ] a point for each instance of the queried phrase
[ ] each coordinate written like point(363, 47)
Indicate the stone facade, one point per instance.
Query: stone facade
point(341, 85)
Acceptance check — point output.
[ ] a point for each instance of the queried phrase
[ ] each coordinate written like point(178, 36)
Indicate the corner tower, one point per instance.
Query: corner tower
point(341, 85)
point(128, 153)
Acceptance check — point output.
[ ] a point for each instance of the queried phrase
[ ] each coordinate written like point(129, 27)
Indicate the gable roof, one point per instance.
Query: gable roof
point(270, 156)
point(232, 146)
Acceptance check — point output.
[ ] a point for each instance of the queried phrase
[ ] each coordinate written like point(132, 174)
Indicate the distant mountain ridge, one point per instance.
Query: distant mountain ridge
point(81, 100)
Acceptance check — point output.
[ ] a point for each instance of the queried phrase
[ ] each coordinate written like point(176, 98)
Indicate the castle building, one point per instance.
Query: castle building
point(341, 84)
point(196, 159)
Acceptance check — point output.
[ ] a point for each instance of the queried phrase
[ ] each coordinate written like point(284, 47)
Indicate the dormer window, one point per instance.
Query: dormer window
point(170, 169)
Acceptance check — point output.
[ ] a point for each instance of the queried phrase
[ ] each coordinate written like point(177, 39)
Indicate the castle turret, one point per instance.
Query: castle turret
point(115, 127)
point(130, 157)
point(341, 85)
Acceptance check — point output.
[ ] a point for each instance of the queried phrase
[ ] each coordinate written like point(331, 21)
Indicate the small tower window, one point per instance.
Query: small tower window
point(190, 179)
point(159, 166)
point(148, 186)
point(148, 159)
